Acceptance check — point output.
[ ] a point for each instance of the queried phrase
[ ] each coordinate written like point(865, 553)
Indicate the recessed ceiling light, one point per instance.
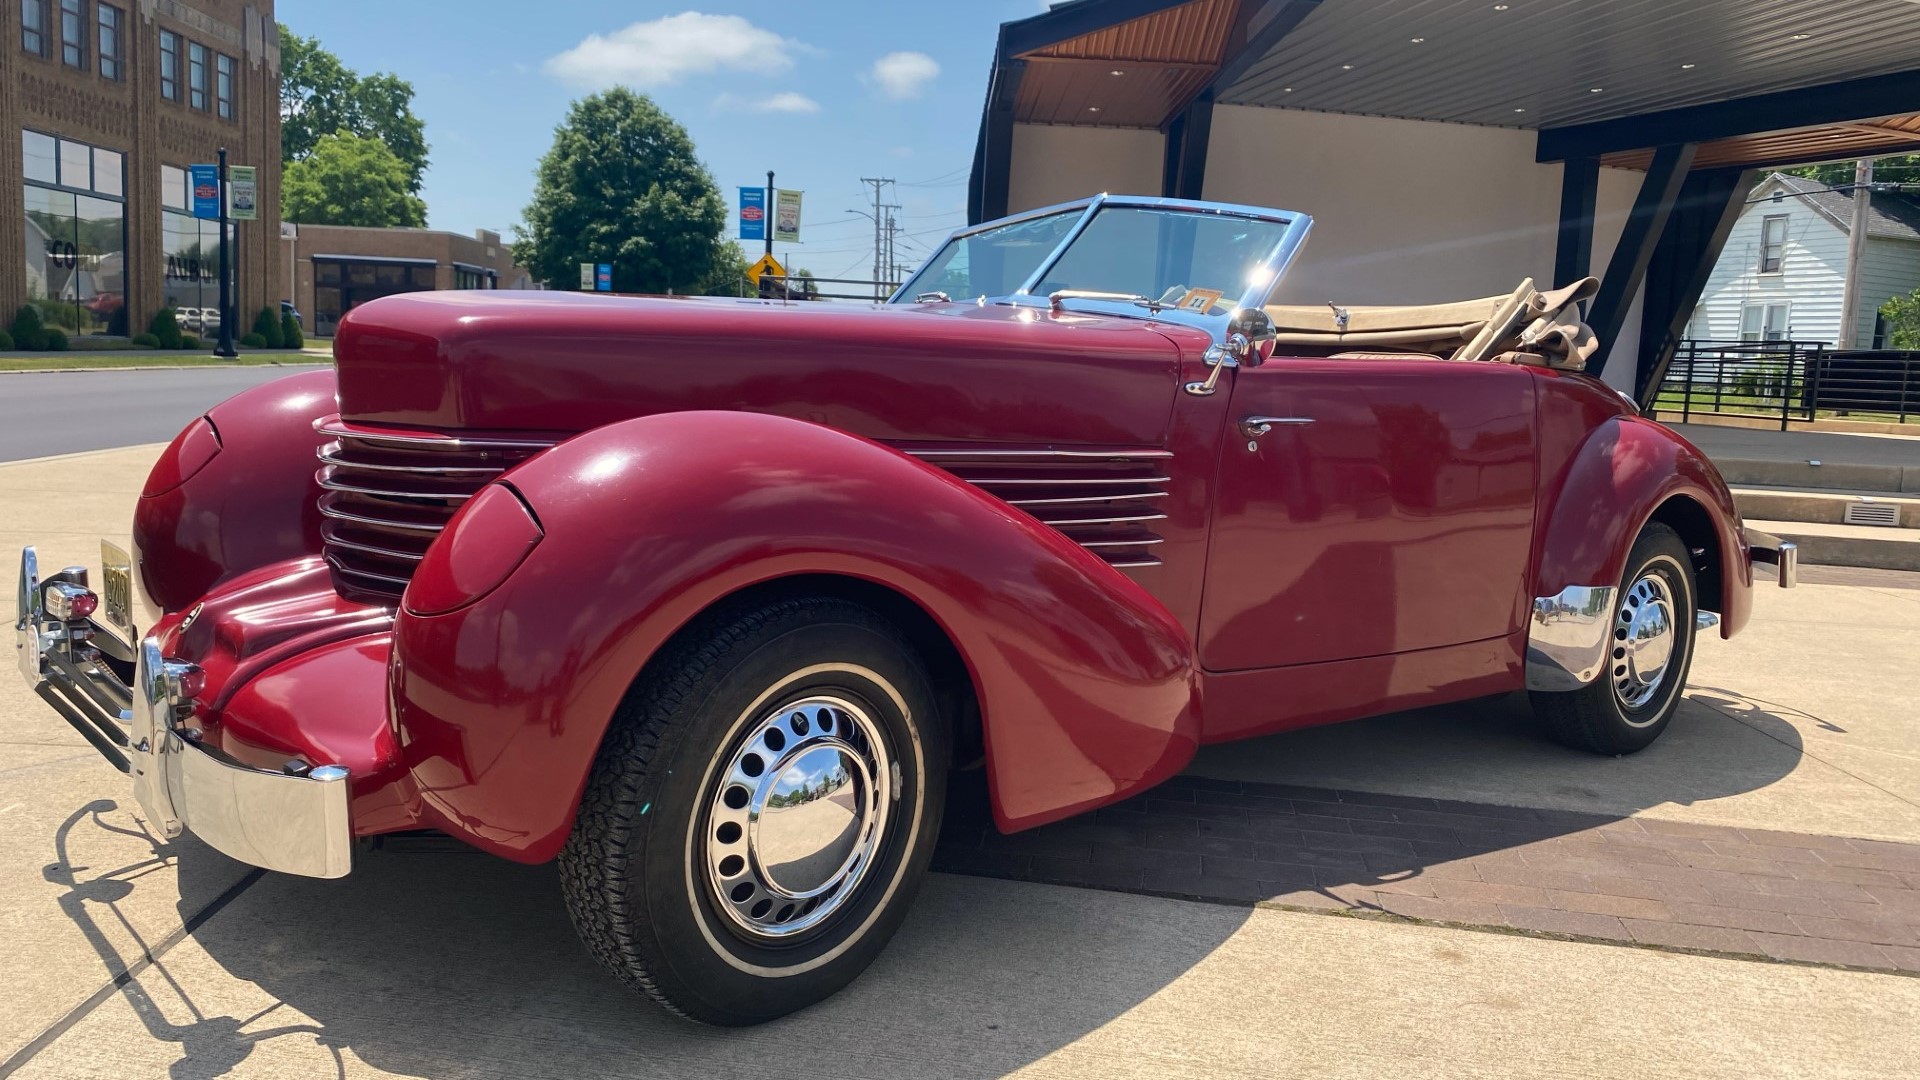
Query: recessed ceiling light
point(1346, 67)
point(1519, 110)
point(1286, 89)
point(1688, 67)
point(1116, 71)
point(1801, 37)
point(1418, 40)
point(1596, 90)
point(1499, 7)
point(1093, 108)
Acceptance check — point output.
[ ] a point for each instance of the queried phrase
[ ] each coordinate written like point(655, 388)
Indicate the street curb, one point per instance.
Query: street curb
point(317, 362)
point(156, 447)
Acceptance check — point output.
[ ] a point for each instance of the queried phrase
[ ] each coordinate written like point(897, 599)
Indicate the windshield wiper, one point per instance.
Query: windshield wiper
point(1054, 298)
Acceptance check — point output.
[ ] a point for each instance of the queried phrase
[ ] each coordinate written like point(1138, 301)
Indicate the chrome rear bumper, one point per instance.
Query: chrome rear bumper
point(1783, 555)
point(297, 824)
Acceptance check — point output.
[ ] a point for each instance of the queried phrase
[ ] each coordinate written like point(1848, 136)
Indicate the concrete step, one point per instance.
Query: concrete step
point(1817, 474)
point(1823, 544)
point(1824, 507)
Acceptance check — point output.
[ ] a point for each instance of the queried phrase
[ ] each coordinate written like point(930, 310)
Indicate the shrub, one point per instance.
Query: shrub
point(254, 341)
point(266, 326)
point(188, 341)
point(117, 322)
point(166, 328)
point(290, 334)
point(6, 341)
point(28, 331)
point(146, 341)
point(56, 341)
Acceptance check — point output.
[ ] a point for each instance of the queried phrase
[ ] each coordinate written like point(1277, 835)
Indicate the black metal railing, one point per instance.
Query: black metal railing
point(1790, 380)
point(803, 287)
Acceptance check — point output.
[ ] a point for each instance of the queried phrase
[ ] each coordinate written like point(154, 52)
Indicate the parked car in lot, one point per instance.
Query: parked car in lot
point(705, 598)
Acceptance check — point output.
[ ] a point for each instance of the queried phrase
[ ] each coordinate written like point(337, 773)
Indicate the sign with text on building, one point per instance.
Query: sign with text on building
point(243, 193)
point(205, 182)
point(586, 277)
point(753, 213)
point(603, 277)
point(786, 216)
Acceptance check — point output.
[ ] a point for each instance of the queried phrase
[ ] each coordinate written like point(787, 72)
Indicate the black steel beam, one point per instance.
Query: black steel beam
point(993, 155)
point(1704, 214)
point(1281, 16)
point(1072, 20)
point(1184, 174)
point(1811, 106)
point(1632, 255)
point(1579, 192)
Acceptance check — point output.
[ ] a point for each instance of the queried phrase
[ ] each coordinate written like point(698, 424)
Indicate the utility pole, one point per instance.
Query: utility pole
point(879, 230)
point(225, 349)
point(1856, 250)
point(767, 215)
point(892, 275)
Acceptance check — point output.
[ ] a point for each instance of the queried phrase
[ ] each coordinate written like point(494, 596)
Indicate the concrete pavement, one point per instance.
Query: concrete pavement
point(436, 963)
point(62, 412)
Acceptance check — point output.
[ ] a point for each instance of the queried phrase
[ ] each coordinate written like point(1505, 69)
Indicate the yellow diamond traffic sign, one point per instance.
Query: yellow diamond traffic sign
point(767, 265)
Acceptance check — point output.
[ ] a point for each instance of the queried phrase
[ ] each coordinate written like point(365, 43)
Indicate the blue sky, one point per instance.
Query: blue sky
point(824, 93)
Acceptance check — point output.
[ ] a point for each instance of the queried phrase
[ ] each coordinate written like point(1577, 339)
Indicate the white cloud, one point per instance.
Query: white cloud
point(787, 101)
point(903, 75)
point(661, 52)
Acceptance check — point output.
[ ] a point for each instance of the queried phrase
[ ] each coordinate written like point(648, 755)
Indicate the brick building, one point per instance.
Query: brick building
point(103, 105)
point(338, 267)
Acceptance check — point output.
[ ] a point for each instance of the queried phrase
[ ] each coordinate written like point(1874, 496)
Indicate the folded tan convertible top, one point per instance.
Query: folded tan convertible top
point(1525, 326)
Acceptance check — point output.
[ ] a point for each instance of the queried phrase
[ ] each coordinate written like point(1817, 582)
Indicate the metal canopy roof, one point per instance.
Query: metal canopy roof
point(1555, 63)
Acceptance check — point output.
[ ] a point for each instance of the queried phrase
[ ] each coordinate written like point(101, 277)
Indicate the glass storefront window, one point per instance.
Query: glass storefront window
point(76, 165)
point(41, 157)
point(108, 179)
point(192, 249)
point(173, 187)
point(76, 259)
point(340, 285)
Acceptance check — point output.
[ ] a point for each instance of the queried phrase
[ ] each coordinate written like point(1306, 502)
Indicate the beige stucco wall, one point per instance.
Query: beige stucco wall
point(1405, 211)
point(1055, 164)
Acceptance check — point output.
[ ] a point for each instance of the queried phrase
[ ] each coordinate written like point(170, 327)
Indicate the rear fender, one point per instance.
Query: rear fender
point(204, 520)
point(1626, 472)
point(1085, 682)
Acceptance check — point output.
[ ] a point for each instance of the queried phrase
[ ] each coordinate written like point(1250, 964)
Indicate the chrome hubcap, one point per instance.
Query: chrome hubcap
point(1643, 641)
point(796, 816)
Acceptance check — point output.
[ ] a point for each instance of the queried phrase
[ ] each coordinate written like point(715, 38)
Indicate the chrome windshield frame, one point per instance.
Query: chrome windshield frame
point(1295, 228)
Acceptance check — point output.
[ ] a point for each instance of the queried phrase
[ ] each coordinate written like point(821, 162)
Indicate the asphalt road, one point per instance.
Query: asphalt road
point(65, 412)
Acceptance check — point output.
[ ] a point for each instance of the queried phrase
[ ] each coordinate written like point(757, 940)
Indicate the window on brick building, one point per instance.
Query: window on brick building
point(169, 65)
point(73, 33)
point(223, 85)
point(109, 44)
point(33, 26)
point(196, 75)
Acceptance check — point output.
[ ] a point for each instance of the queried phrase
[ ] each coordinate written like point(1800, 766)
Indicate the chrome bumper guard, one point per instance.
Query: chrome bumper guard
point(296, 824)
point(1783, 555)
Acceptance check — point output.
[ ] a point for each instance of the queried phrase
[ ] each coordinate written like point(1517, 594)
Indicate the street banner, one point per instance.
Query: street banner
point(243, 193)
point(205, 181)
point(603, 277)
point(786, 216)
point(586, 277)
point(289, 231)
point(753, 213)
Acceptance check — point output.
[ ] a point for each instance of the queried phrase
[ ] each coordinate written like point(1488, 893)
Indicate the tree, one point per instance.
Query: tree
point(1899, 169)
point(320, 96)
point(1903, 321)
point(621, 185)
point(348, 180)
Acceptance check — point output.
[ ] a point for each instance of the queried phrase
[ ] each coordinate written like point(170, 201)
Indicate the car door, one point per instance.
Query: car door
point(1375, 507)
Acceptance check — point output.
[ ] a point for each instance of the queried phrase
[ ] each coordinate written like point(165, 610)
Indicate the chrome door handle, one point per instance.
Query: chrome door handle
point(1255, 426)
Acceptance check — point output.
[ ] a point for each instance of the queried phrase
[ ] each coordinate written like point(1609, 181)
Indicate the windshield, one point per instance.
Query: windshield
point(1199, 262)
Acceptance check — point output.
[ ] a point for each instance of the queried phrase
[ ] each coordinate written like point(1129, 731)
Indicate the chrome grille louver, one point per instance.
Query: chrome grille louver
point(384, 496)
point(1107, 501)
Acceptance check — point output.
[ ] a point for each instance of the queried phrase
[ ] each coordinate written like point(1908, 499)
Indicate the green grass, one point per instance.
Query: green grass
point(82, 360)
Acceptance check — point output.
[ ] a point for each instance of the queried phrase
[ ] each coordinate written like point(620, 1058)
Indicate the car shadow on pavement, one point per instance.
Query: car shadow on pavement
point(432, 960)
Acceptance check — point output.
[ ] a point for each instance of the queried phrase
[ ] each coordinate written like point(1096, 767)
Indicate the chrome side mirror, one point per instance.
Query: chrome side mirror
point(1248, 332)
point(1248, 329)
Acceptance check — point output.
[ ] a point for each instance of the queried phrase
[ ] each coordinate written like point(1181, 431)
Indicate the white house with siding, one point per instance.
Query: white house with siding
point(1783, 272)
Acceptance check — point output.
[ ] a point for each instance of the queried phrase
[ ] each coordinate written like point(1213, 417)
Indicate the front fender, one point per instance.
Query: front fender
point(1626, 471)
point(1086, 684)
point(203, 520)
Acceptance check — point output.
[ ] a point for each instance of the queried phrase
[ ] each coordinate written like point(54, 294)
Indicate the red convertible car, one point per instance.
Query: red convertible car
point(705, 598)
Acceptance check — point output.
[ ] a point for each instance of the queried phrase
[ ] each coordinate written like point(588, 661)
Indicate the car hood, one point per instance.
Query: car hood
point(559, 363)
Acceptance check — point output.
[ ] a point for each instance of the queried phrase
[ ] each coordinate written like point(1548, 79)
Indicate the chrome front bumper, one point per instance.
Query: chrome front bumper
point(296, 824)
point(1783, 555)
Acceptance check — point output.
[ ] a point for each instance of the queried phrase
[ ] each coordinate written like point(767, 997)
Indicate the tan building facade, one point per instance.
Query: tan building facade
point(337, 267)
point(103, 105)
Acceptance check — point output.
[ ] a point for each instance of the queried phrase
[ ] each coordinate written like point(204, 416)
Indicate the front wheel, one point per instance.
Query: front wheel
point(761, 812)
point(1649, 650)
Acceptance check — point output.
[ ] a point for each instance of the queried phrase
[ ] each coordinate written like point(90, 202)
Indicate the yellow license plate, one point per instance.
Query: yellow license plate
point(116, 596)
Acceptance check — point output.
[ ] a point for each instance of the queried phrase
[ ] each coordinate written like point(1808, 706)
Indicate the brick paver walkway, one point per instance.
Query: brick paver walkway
point(1788, 896)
